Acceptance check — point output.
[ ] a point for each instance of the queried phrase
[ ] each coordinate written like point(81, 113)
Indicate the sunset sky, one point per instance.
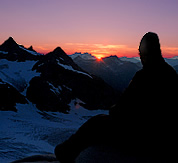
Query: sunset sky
point(99, 27)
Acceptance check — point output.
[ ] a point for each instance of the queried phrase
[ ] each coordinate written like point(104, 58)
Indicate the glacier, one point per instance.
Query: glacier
point(30, 131)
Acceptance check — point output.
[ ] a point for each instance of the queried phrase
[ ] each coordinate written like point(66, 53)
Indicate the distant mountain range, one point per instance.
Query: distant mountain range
point(50, 81)
point(86, 56)
point(115, 71)
point(112, 70)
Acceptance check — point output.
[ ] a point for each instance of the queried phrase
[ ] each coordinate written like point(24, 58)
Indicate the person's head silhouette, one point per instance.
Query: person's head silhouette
point(149, 49)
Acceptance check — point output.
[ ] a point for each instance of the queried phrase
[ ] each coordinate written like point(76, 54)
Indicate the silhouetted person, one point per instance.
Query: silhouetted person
point(144, 121)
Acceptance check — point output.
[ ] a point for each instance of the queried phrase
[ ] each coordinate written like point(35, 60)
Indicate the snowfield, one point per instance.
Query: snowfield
point(30, 131)
point(17, 74)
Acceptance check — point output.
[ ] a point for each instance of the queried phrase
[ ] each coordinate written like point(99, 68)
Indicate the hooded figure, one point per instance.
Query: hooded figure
point(155, 85)
point(147, 110)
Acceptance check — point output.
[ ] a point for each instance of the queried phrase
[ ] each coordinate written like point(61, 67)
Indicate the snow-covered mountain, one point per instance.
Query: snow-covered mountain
point(61, 80)
point(12, 51)
point(51, 81)
point(16, 64)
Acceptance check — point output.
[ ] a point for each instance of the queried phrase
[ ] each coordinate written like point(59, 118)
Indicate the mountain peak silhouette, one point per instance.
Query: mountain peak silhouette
point(10, 38)
point(10, 41)
point(58, 51)
point(9, 45)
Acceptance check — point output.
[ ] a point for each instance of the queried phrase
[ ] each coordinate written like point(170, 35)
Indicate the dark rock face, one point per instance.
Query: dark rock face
point(9, 45)
point(48, 97)
point(61, 80)
point(9, 96)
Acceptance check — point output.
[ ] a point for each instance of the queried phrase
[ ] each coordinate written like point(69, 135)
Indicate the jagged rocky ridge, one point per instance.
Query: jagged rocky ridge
point(56, 80)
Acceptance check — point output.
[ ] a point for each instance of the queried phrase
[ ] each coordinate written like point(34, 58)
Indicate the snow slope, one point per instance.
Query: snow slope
point(18, 74)
point(71, 69)
point(30, 131)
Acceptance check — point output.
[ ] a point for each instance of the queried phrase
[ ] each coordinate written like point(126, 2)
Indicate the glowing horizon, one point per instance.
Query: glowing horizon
point(99, 50)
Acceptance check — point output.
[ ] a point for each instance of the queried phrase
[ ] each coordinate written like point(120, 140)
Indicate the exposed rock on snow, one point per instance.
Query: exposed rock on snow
point(9, 96)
